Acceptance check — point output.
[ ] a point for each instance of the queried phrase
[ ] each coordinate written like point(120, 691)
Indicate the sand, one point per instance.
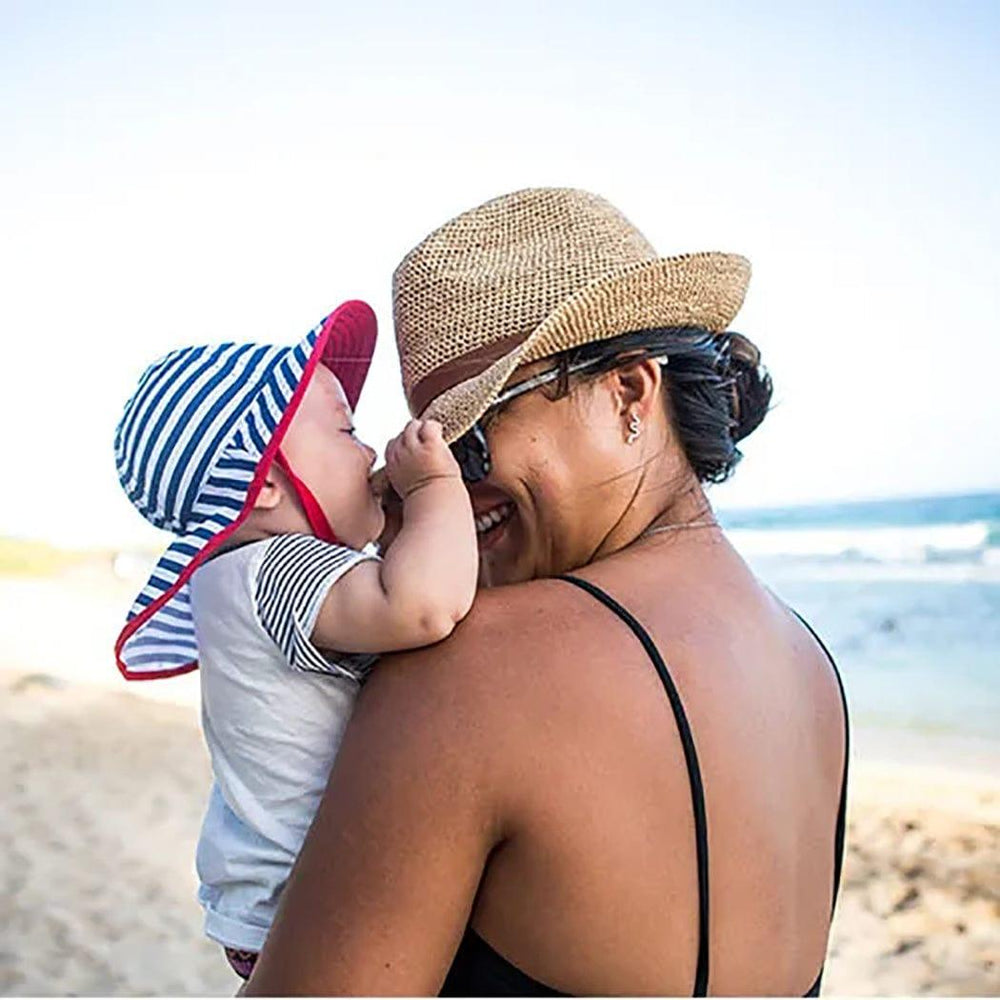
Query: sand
point(98, 832)
point(99, 826)
point(919, 911)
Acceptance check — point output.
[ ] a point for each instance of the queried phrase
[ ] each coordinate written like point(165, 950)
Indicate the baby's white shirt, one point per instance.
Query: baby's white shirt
point(274, 709)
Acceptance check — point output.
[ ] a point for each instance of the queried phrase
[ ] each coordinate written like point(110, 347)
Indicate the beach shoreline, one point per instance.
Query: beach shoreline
point(109, 788)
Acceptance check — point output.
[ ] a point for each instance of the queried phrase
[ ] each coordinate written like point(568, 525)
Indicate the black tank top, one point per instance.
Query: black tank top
point(479, 970)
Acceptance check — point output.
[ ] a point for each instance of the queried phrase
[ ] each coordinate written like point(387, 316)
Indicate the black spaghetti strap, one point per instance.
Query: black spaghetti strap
point(838, 844)
point(690, 757)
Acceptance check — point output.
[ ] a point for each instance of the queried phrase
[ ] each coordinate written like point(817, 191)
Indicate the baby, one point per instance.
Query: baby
point(249, 454)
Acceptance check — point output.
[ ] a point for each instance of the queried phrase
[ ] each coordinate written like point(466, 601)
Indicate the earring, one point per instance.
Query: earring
point(634, 429)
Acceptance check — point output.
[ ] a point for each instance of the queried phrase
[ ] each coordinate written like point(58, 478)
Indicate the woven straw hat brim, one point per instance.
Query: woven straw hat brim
point(702, 289)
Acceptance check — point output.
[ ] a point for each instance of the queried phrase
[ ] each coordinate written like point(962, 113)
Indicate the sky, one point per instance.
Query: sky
point(198, 172)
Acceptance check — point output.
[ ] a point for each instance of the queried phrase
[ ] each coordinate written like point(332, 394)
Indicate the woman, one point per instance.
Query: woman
point(625, 781)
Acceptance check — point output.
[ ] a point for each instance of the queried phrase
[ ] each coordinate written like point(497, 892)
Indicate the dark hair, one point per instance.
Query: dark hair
point(717, 391)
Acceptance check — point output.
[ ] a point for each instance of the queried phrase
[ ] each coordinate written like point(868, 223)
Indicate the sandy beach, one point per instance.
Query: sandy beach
point(98, 832)
point(100, 823)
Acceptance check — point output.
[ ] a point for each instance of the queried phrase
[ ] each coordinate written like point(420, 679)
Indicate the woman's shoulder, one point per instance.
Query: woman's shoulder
point(503, 624)
point(512, 647)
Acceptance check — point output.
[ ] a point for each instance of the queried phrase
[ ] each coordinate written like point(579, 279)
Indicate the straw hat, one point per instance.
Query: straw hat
point(531, 274)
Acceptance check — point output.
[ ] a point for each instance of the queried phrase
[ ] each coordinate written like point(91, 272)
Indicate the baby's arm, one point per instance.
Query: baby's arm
point(427, 580)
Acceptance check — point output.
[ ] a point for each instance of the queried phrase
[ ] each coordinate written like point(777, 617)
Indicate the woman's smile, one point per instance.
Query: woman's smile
point(491, 524)
point(493, 511)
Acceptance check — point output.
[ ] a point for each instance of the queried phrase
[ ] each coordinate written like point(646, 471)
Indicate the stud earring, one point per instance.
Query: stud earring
point(634, 429)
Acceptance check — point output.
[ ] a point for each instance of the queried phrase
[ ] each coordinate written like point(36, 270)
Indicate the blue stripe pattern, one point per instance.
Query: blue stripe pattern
point(187, 449)
point(296, 573)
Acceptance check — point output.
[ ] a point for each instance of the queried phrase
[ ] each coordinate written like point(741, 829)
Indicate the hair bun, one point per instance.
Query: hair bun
point(751, 384)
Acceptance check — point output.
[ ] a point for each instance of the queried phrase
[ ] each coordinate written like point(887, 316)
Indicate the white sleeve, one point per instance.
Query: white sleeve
point(294, 576)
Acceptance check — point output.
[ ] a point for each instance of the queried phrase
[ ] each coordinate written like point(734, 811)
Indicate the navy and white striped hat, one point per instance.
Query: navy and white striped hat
point(193, 448)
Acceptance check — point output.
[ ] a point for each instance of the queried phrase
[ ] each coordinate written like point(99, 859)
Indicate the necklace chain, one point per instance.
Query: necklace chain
point(703, 523)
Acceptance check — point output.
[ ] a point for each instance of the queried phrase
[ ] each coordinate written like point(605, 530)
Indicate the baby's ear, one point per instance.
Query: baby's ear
point(271, 492)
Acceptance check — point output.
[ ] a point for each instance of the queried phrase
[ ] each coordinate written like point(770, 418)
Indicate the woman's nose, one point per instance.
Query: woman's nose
point(372, 455)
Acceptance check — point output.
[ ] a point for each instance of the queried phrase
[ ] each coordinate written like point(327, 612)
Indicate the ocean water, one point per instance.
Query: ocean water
point(905, 593)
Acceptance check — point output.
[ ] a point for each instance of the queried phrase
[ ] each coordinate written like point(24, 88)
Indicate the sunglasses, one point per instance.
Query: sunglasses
point(472, 451)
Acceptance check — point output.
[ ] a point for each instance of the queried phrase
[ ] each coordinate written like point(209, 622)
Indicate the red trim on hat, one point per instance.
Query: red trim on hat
point(346, 313)
point(315, 514)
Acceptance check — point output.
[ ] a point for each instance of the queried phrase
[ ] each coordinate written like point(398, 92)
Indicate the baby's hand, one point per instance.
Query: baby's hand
point(419, 456)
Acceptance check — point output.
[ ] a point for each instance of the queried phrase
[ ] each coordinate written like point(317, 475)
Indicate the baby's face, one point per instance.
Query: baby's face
point(322, 450)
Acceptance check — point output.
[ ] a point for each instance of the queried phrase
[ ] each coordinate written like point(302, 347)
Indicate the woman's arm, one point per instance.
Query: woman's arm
point(381, 893)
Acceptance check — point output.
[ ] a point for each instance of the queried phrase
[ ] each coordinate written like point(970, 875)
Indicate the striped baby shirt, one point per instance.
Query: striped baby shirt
point(274, 709)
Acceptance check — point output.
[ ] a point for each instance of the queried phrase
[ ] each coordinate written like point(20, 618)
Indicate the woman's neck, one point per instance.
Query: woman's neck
point(676, 500)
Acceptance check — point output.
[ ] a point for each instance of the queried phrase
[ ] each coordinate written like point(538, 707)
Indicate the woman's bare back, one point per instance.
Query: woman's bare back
point(593, 888)
point(526, 778)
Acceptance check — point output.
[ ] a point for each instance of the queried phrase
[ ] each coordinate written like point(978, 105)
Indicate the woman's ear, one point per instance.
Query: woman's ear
point(638, 386)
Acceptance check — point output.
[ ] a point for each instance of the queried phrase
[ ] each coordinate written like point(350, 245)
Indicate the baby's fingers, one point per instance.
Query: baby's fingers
point(411, 435)
point(431, 432)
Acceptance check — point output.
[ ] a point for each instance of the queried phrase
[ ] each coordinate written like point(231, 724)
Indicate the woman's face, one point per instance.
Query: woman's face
point(561, 478)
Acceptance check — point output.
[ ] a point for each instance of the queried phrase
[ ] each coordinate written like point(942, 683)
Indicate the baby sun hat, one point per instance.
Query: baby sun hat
point(529, 275)
point(193, 448)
